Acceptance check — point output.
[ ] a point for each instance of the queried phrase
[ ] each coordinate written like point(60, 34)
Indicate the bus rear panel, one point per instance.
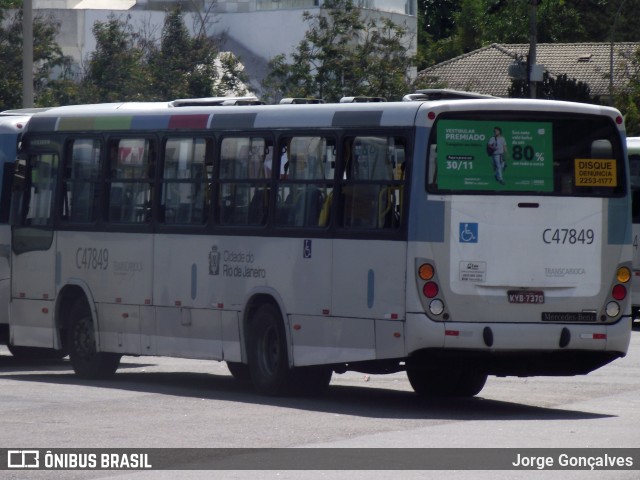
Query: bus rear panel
point(521, 258)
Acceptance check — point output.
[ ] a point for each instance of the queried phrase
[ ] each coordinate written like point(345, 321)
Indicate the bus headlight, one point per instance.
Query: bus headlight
point(613, 309)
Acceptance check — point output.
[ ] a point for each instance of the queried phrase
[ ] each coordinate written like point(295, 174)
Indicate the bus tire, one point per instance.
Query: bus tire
point(267, 352)
point(85, 359)
point(239, 371)
point(446, 383)
point(36, 353)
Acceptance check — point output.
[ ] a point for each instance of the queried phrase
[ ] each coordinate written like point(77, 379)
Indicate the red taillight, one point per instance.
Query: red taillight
point(619, 292)
point(430, 289)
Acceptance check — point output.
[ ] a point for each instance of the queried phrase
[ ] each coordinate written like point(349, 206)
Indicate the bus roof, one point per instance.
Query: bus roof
point(152, 116)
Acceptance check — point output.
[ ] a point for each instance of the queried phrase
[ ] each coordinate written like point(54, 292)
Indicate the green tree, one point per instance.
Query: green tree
point(342, 54)
point(470, 25)
point(171, 62)
point(47, 58)
point(627, 99)
point(179, 65)
point(116, 70)
point(450, 28)
point(555, 88)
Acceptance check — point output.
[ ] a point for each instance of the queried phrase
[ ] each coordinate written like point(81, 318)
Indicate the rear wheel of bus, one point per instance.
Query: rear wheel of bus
point(269, 360)
point(455, 382)
point(85, 359)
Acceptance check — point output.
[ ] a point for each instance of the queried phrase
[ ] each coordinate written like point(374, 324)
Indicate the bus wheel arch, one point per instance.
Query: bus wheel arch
point(86, 360)
point(67, 297)
point(269, 358)
point(267, 346)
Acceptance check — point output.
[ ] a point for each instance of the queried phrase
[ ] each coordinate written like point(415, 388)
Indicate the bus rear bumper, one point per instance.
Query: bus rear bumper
point(521, 349)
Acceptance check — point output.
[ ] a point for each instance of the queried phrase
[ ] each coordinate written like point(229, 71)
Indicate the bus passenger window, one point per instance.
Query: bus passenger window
point(39, 189)
point(306, 182)
point(81, 177)
point(244, 187)
point(185, 181)
point(131, 163)
point(372, 185)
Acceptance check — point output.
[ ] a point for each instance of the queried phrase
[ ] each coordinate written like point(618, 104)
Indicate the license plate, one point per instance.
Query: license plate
point(525, 296)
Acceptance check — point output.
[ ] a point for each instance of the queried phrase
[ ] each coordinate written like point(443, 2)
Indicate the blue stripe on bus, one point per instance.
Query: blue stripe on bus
point(194, 281)
point(619, 224)
point(371, 288)
point(150, 122)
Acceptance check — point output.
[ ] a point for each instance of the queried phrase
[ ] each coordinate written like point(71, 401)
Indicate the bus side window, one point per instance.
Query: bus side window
point(372, 188)
point(184, 181)
point(306, 184)
point(80, 184)
point(132, 164)
point(36, 191)
point(243, 192)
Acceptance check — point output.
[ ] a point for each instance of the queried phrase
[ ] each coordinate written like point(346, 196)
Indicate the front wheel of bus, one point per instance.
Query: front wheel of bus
point(446, 383)
point(85, 359)
point(268, 359)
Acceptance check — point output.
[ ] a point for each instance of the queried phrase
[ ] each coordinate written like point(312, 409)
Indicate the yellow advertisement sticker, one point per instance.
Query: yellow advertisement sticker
point(599, 172)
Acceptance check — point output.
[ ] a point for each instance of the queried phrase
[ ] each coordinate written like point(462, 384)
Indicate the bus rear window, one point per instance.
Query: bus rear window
point(552, 155)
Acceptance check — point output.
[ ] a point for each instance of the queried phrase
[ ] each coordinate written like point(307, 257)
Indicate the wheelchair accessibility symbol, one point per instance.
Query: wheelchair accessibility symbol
point(468, 233)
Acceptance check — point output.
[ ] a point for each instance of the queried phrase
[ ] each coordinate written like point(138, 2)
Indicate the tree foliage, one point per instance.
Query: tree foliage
point(116, 69)
point(450, 26)
point(47, 58)
point(628, 99)
point(343, 53)
point(560, 87)
point(128, 64)
point(180, 65)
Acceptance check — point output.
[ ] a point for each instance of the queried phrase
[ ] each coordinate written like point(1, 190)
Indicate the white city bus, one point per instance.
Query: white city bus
point(633, 151)
point(294, 241)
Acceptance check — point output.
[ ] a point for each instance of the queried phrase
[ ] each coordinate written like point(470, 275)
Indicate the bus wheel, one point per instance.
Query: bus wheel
point(267, 351)
point(36, 353)
point(239, 371)
point(446, 383)
point(86, 361)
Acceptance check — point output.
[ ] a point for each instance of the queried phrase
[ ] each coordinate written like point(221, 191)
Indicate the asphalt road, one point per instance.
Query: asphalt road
point(176, 403)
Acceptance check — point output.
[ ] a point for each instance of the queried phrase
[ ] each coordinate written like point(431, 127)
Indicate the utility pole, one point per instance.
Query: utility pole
point(27, 54)
point(534, 70)
point(613, 32)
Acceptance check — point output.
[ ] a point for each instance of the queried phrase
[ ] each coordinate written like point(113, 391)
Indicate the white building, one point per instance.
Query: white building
point(256, 30)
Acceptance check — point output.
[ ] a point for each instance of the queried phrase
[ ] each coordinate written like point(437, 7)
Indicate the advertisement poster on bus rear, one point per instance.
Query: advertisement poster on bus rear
point(486, 155)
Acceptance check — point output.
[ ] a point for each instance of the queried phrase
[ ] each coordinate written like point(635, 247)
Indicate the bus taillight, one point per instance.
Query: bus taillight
point(430, 289)
point(619, 292)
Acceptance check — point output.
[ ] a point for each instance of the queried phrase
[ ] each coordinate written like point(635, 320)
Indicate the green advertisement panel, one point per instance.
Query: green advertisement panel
point(485, 155)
